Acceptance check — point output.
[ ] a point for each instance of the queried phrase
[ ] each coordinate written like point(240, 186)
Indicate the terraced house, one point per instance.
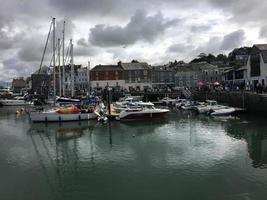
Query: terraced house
point(192, 74)
point(102, 76)
point(137, 75)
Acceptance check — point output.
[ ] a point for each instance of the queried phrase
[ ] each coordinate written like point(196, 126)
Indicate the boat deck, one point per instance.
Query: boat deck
point(113, 113)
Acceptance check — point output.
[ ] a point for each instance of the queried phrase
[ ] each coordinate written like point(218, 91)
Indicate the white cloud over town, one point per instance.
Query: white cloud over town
point(107, 31)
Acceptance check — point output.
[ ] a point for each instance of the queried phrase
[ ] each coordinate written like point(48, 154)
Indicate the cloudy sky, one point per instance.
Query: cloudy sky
point(106, 31)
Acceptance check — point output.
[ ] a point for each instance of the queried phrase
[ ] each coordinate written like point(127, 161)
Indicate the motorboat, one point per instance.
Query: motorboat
point(191, 105)
point(146, 111)
point(63, 114)
point(134, 98)
point(181, 102)
point(16, 101)
point(208, 106)
point(168, 101)
point(128, 102)
point(223, 111)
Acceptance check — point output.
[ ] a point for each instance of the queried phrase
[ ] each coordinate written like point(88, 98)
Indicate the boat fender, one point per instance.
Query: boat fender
point(59, 118)
point(45, 119)
point(79, 117)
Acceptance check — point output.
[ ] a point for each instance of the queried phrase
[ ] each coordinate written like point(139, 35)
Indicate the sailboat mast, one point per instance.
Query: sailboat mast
point(88, 79)
point(59, 68)
point(63, 60)
point(72, 69)
point(54, 56)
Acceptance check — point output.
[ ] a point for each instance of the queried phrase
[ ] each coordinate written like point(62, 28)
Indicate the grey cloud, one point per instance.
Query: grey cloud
point(14, 67)
point(213, 45)
point(232, 40)
point(200, 28)
point(217, 44)
point(8, 37)
point(69, 28)
point(243, 11)
point(141, 27)
point(83, 48)
point(179, 48)
point(31, 49)
point(263, 32)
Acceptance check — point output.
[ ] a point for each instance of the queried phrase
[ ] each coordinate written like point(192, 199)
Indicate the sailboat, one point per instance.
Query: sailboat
point(71, 113)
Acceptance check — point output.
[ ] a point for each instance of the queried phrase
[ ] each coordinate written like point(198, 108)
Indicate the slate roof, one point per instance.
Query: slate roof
point(261, 47)
point(106, 68)
point(135, 66)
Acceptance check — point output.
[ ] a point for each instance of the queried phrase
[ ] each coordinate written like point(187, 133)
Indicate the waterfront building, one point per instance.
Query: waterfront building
point(193, 74)
point(68, 78)
point(257, 65)
point(102, 76)
point(162, 77)
point(137, 75)
point(40, 82)
point(82, 80)
point(18, 84)
point(237, 76)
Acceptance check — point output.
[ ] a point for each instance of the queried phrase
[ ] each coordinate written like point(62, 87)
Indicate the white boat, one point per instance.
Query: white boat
point(54, 116)
point(17, 101)
point(180, 102)
point(145, 112)
point(134, 98)
point(191, 105)
point(168, 101)
point(208, 106)
point(223, 111)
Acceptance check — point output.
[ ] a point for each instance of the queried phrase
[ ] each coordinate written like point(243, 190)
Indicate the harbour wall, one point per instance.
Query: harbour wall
point(251, 102)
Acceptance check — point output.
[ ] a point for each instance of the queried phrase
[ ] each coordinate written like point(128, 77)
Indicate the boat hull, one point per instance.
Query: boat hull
point(222, 112)
point(58, 117)
point(8, 102)
point(142, 115)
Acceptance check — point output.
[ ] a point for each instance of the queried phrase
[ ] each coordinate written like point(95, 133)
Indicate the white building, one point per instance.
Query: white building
point(257, 65)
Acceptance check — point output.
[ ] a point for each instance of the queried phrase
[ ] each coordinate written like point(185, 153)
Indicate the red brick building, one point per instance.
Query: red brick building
point(107, 75)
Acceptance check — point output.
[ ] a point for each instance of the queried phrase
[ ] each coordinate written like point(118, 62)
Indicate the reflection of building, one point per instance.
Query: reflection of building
point(256, 138)
point(257, 148)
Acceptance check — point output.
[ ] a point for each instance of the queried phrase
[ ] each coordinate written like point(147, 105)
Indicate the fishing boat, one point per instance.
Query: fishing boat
point(63, 114)
point(146, 111)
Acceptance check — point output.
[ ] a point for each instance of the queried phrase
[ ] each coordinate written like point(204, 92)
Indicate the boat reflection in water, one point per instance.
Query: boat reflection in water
point(256, 137)
point(63, 131)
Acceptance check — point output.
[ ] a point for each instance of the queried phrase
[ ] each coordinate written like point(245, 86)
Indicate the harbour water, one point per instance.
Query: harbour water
point(182, 157)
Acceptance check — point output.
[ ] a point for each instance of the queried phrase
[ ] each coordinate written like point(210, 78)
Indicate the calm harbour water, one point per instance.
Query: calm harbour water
point(181, 157)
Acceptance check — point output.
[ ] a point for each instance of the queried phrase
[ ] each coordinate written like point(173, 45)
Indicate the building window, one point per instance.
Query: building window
point(145, 72)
